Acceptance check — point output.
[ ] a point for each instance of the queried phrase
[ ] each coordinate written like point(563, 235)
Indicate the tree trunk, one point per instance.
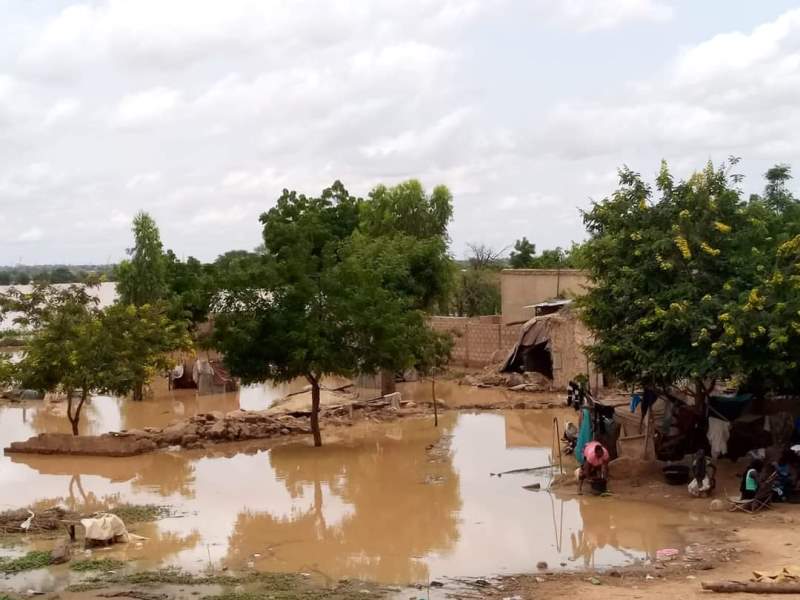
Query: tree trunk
point(387, 382)
point(75, 417)
point(435, 408)
point(314, 381)
point(138, 391)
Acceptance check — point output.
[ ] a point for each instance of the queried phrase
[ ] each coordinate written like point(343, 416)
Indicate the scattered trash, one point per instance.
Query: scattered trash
point(436, 584)
point(667, 553)
point(105, 527)
point(649, 577)
point(541, 565)
point(593, 580)
point(534, 487)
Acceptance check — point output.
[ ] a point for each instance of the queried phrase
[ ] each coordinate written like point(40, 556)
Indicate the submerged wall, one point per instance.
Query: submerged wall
point(479, 341)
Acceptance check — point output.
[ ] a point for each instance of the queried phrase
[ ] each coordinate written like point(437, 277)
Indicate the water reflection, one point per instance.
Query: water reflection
point(400, 502)
point(391, 507)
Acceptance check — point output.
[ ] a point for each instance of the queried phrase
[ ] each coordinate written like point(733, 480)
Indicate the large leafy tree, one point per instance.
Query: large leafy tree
point(761, 325)
point(319, 301)
point(666, 271)
point(141, 279)
point(523, 256)
point(415, 223)
point(77, 349)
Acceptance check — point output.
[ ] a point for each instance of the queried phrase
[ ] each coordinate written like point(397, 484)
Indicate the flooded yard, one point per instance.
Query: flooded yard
point(399, 502)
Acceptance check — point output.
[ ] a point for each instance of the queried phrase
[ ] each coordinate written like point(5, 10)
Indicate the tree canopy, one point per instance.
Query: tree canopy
point(77, 349)
point(681, 280)
point(321, 299)
point(141, 279)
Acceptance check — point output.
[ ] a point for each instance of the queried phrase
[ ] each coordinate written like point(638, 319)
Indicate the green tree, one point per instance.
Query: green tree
point(141, 279)
point(77, 349)
point(69, 350)
point(5, 278)
point(415, 223)
point(142, 339)
point(523, 255)
point(315, 303)
point(476, 292)
point(22, 278)
point(664, 271)
point(407, 209)
point(62, 275)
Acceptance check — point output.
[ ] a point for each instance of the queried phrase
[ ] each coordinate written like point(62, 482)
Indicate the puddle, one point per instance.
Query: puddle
point(395, 503)
point(460, 396)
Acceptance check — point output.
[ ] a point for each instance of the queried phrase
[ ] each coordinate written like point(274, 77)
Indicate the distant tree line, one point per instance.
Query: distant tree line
point(27, 274)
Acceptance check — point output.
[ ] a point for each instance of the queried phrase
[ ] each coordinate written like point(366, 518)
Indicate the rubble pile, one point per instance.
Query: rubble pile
point(492, 376)
point(195, 432)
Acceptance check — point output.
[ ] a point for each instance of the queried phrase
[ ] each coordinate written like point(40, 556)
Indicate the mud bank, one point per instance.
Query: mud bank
point(195, 432)
point(206, 429)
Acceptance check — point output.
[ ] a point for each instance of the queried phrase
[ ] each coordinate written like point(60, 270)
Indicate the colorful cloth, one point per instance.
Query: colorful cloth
point(584, 434)
point(590, 454)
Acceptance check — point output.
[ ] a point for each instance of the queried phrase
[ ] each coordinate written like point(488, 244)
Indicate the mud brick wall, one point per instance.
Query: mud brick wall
point(478, 341)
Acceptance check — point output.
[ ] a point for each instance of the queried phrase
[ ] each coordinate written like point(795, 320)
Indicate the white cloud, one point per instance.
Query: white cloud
point(61, 111)
point(591, 15)
point(247, 182)
point(201, 111)
point(142, 108)
point(33, 234)
point(143, 179)
point(222, 216)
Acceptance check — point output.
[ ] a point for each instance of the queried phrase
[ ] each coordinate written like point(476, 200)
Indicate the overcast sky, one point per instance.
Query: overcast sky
point(202, 111)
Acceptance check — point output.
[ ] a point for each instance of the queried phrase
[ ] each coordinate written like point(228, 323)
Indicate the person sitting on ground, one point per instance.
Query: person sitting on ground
point(751, 479)
point(703, 475)
point(595, 463)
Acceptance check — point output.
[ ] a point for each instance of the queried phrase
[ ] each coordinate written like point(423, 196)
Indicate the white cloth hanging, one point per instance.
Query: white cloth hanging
point(719, 432)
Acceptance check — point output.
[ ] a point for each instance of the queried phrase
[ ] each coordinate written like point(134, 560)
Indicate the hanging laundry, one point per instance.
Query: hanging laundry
point(635, 401)
point(719, 432)
point(584, 434)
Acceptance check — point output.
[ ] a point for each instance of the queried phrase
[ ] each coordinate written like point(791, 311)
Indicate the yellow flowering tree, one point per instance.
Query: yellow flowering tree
point(668, 264)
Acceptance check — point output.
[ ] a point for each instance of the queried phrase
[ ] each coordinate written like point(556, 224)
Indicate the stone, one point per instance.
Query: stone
point(217, 430)
point(515, 379)
point(61, 552)
point(172, 434)
point(716, 505)
point(189, 439)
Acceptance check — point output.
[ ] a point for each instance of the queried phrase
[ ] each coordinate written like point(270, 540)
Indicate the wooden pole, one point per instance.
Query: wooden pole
point(747, 587)
point(435, 408)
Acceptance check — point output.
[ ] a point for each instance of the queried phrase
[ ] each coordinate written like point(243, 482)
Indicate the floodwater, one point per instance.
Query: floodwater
point(400, 502)
point(106, 294)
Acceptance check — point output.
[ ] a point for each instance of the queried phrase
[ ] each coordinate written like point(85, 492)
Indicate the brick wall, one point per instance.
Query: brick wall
point(478, 340)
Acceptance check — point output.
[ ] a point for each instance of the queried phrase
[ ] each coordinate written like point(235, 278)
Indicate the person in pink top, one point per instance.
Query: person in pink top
point(595, 464)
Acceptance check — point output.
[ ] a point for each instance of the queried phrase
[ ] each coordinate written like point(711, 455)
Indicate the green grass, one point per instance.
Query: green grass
point(94, 564)
point(139, 513)
point(32, 560)
point(260, 586)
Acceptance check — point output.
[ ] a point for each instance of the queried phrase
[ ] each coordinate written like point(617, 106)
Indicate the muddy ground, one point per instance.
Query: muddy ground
point(730, 546)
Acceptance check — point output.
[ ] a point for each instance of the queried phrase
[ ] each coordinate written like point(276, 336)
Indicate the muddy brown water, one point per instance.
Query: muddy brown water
point(400, 502)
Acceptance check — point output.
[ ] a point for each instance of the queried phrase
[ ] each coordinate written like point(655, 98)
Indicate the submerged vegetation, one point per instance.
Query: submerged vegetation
point(255, 585)
point(32, 560)
point(96, 564)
